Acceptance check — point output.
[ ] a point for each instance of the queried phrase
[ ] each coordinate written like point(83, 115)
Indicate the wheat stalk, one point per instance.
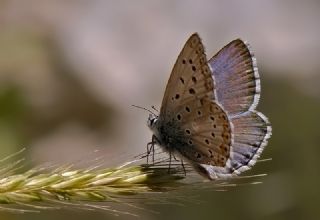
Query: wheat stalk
point(44, 188)
point(91, 188)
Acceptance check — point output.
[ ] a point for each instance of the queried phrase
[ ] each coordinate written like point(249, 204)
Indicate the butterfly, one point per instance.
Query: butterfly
point(208, 115)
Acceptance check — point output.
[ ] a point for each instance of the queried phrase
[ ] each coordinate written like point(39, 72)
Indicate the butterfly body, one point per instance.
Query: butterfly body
point(208, 112)
point(169, 135)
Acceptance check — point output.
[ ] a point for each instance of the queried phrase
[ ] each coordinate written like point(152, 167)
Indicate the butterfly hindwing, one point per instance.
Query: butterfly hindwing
point(207, 129)
point(251, 133)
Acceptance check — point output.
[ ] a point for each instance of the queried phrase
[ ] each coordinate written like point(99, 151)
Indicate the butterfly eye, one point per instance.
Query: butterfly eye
point(198, 155)
point(179, 117)
point(190, 142)
point(188, 131)
point(188, 109)
point(194, 79)
point(151, 120)
point(212, 118)
point(212, 134)
point(207, 141)
point(194, 68)
point(183, 61)
point(190, 61)
point(181, 80)
point(177, 96)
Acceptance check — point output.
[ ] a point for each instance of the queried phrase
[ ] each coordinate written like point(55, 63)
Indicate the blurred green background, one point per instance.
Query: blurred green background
point(70, 70)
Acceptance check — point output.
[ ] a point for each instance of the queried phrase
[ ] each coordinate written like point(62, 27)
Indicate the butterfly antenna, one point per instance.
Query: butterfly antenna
point(154, 108)
point(148, 110)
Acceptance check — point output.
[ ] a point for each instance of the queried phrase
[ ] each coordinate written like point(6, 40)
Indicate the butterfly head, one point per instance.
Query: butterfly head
point(152, 120)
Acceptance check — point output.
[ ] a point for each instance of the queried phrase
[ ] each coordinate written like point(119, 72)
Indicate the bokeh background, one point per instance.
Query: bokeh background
point(70, 70)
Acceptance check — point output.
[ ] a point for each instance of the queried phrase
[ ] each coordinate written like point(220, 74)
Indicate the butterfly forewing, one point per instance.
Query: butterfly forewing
point(199, 128)
point(237, 80)
point(190, 76)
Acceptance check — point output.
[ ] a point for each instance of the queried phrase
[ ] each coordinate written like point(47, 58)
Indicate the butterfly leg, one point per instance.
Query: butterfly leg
point(170, 157)
point(154, 142)
point(182, 164)
point(174, 157)
point(150, 147)
point(184, 169)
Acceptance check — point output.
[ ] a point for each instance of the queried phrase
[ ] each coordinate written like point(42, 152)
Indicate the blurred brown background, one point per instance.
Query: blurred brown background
point(70, 70)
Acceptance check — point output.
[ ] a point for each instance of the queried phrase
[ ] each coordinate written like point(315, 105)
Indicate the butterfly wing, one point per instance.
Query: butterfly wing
point(236, 75)
point(190, 75)
point(238, 91)
point(190, 122)
point(208, 131)
point(251, 133)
